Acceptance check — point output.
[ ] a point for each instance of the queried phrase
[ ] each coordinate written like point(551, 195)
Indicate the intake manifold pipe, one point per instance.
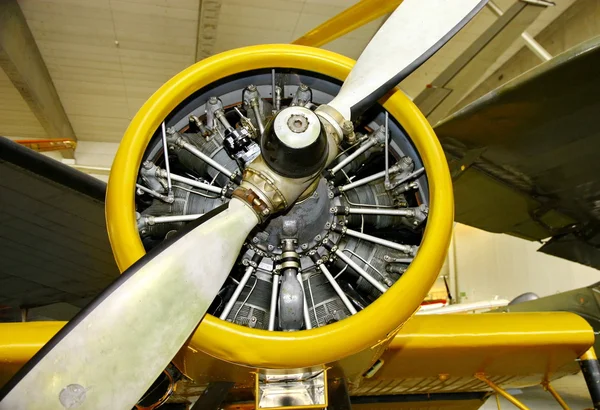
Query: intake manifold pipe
point(291, 294)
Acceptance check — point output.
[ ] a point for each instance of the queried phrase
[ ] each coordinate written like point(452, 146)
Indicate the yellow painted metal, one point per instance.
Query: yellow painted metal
point(20, 341)
point(548, 387)
point(430, 353)
point(443, 352)
point(497, 401)
point(590, 354)
point(276, 350)
point(501, 391)
point(422, 405)
point(409, 405)
point(257, 396)
point(348, 20)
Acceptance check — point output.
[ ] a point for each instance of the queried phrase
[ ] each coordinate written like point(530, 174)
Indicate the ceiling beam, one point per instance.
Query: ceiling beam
point(348, 20)
point(208, 19)
point(22, 62)
point(441, 96)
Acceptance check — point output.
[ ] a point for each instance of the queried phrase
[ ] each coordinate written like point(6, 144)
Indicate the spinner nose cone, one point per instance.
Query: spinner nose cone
point(294, 144)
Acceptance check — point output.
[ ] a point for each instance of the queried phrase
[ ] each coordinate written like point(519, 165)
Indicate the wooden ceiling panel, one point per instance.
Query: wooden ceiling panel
point(106, 57)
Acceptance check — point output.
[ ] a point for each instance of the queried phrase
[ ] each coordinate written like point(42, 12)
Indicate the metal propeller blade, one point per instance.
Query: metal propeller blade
point(109, 354)
point(412, 34)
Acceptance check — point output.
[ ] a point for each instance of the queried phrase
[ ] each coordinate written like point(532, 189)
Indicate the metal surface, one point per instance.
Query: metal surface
point(386, 150)
point(407, 249)
point(355, 184)
point(380, 211)
point(363, 147)
point(274, 298)
point(112, 379)
point(350, 19)
point(339, 398)
point(197, 184)
point(582, 301)
point(380, 287)
point(221, 339)
point(166, 156)
point(514, 350)
point(172, 218)
point(292, 306)
point(213, 396)
point(337, 289)
point(590, 367)
point(237, 292)
point(305, 390)
point(208, 160)
point(516, 188)
point(305, 312)
point(399, 47)
point(501, 391)
point(548, 387)
point(53, 245)
point(463, 307)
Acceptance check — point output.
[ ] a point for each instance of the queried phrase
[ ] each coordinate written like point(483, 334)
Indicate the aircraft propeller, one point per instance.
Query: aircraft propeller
point(113, 350)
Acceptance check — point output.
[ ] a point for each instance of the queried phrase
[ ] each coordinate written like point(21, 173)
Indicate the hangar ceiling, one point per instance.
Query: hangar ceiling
point(106, 57)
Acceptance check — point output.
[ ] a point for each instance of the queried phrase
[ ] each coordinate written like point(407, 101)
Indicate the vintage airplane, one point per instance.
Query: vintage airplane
point(277, 229)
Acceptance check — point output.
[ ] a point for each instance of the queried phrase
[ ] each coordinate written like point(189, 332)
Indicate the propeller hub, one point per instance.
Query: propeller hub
point(294, 144)
point(297, 123)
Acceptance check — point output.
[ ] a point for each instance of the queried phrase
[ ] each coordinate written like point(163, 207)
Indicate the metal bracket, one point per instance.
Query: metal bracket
point(459, 166)
point(303, 390)
point(213, 396)
point(501, 391)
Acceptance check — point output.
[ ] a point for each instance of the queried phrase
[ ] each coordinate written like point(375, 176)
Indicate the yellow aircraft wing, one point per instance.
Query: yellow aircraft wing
point(429, 358)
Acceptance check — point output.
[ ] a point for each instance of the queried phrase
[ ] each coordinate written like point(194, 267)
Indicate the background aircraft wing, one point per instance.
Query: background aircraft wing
point(524, 157)
point(53, 242)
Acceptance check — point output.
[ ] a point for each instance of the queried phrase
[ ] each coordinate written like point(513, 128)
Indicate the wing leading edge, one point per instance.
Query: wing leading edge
point(524, 157)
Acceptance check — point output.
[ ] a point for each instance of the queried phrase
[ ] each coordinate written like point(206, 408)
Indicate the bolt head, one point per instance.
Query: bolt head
point(347, 127)
point(297, 123)
point(72, 396)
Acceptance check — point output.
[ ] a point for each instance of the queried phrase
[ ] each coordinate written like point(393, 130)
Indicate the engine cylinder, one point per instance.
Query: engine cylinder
point(252, 307)
point(325, 306)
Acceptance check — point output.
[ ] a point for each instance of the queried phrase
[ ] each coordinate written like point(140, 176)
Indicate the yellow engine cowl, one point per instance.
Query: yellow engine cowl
point(350, 345)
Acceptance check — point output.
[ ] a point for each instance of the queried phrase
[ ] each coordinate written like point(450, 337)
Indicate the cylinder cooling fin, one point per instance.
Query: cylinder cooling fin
point(354, 237)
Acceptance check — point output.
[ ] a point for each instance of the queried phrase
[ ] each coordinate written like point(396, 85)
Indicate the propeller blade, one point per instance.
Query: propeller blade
point(108, 356)
point(412, 34)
